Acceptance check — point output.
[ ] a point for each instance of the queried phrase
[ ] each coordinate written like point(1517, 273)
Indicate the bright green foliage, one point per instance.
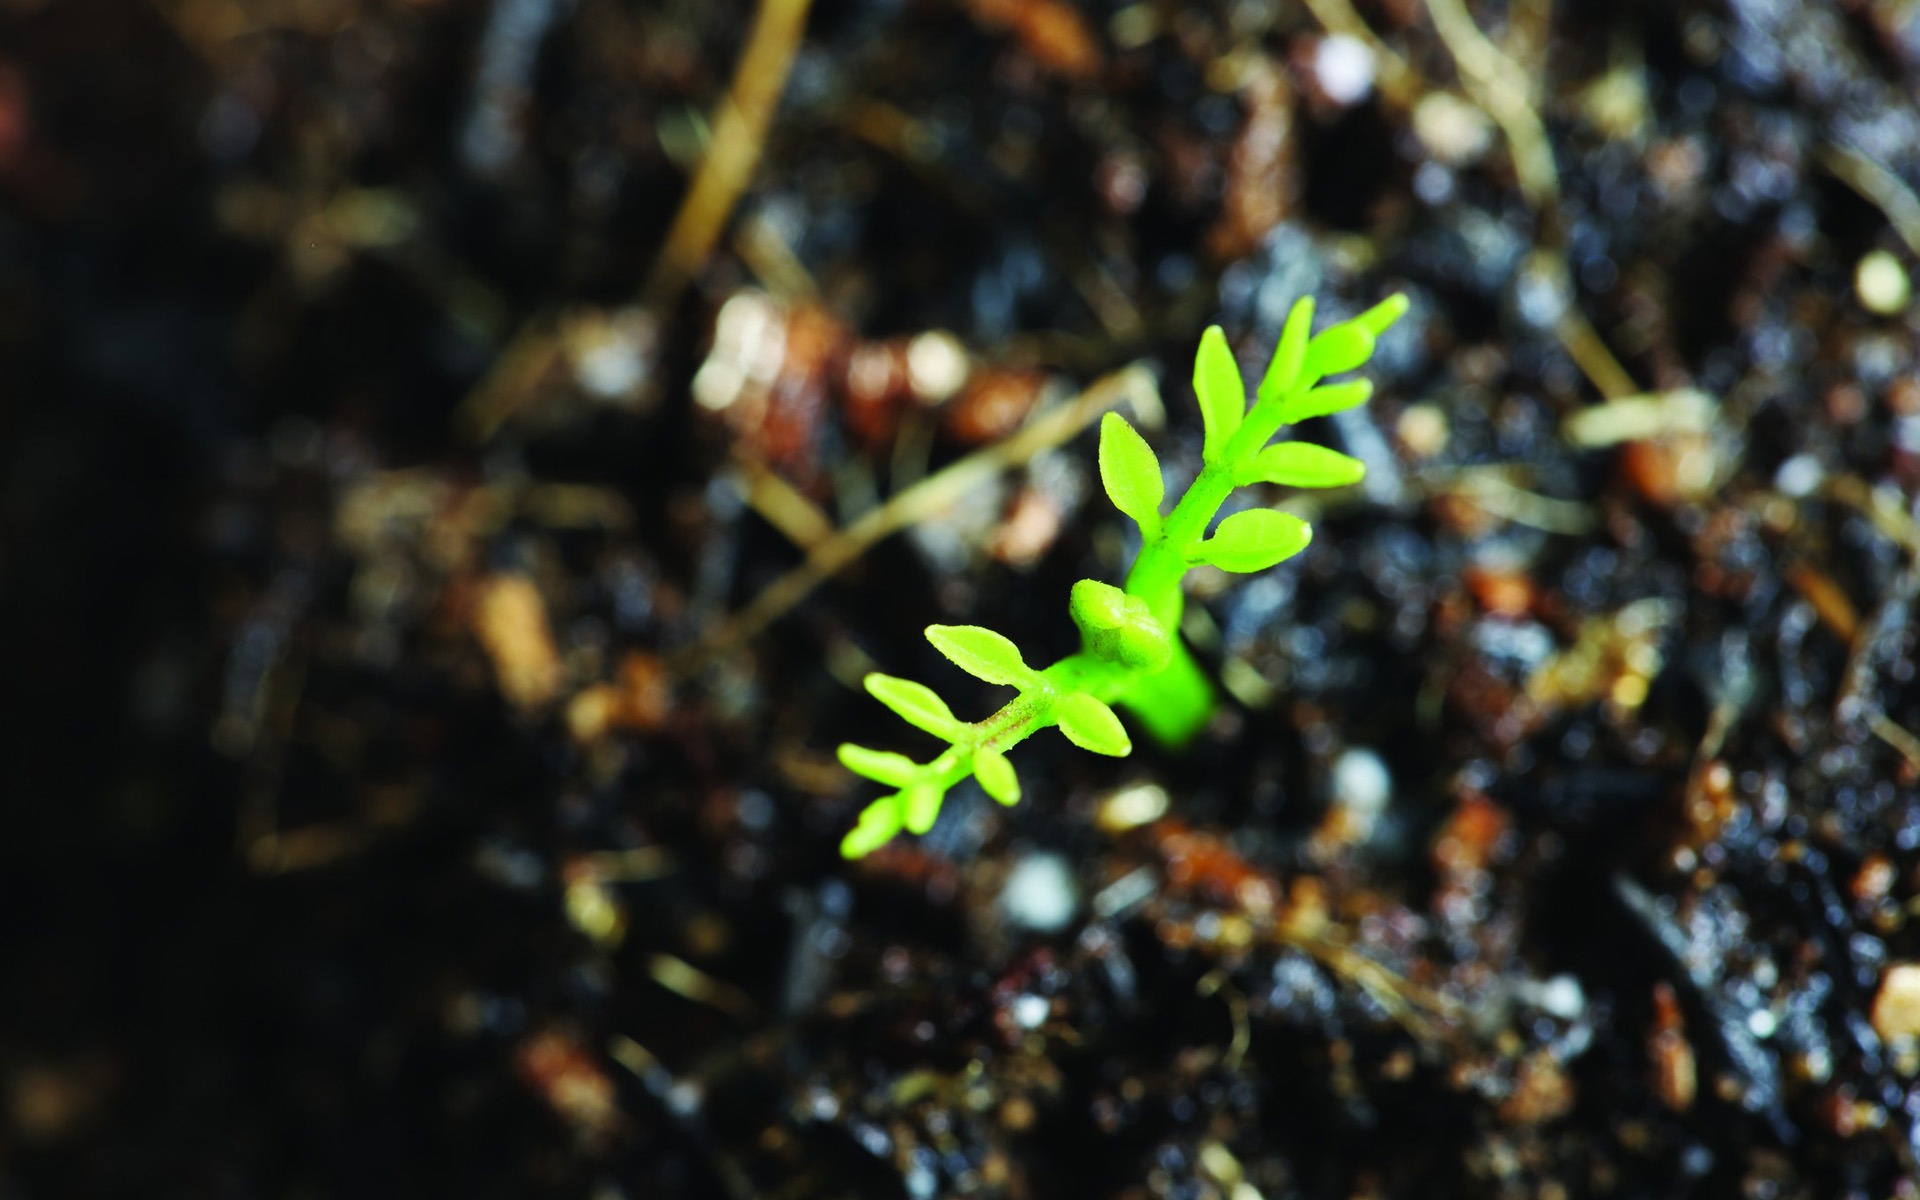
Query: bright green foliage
point(1283, 369)
point(1325, 401)
point(1301, 464)
point(881, 766)
point(1217, 386)
point(996, 775)
point(1253, 541)
point(1130, 472)
point(1091, 725)
point(1131, 653)
point(916, 704)
point(981, 653)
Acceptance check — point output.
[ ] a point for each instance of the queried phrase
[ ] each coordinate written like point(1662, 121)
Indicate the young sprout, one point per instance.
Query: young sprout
point(1131, 653)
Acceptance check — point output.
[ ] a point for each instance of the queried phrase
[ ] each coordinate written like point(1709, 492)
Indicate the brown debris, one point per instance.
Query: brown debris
point(568, 1077)
point(995, 402)
point(1502, 592)
point(1055, 34)
point(1470, 839)
point(1541, 1091)
point(1260, 170)
point(1028, 531)
point(1674, 1076)
point(1835, 610)
point(877, 386)
point(1669, 470)
point(1896, 1006)
point(1614, 658)
point(1204, 865)
point(638, 700)
point(769, 374)
point(510, 619)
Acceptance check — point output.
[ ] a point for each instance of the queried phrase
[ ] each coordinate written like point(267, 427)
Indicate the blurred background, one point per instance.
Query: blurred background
point(458, 458)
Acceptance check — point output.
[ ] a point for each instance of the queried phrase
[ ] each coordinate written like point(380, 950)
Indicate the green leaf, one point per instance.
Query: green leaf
point(996, 775)
point(1341, 348)
point(1216, 384)
point(1255, 540)
point(1130, 472)
point(1091, 725)
point(1283, 370)
point(922, 805)
point(1301, 464)
point(881, 766)
point(916, 704)
point(1323, 401)
point(879, 821)
point(981, 653)
point(1378, 319)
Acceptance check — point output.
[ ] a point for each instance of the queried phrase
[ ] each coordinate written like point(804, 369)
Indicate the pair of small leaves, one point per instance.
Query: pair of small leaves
point(979, 652)
point(914, 808)
point(921, 786)
point(878, 824)
point(1300, 361)
point(915, 805)
point(1254, 540)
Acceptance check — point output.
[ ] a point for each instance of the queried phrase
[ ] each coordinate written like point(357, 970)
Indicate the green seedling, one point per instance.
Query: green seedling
point(1131, 654)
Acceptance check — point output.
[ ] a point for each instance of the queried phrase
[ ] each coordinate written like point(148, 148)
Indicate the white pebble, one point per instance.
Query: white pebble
point(1345, 69)
point(936, 365)
point(1799, 476)
point(1041, 894)
point(1882, 284)
point(1561, 997)
point(1361, 785)
point(1030, 1011)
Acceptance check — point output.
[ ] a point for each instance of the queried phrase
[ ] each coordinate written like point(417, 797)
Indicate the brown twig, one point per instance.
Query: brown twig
point(739, 133)
point(1879, 186)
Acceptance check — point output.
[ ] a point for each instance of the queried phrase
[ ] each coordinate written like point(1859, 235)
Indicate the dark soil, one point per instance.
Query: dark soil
point(397, 808)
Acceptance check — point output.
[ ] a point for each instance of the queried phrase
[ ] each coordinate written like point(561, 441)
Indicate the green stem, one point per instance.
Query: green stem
point(1175, 703)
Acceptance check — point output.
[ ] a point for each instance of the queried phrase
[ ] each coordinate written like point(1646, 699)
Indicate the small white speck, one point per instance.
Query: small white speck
point(936, 366)
point(1540, 296)
point(1361, 784)
point(684, 1099)
point(1453, 131)
point(1041, 894)
point(1561, 997)
point(1030, 1011)
point(1882, 284)
point(1799, 476)
point(1345, 67)
point(717, 384)
point(611, 368)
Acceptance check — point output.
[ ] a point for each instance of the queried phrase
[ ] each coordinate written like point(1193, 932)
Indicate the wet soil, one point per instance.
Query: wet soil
point(415, 793)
